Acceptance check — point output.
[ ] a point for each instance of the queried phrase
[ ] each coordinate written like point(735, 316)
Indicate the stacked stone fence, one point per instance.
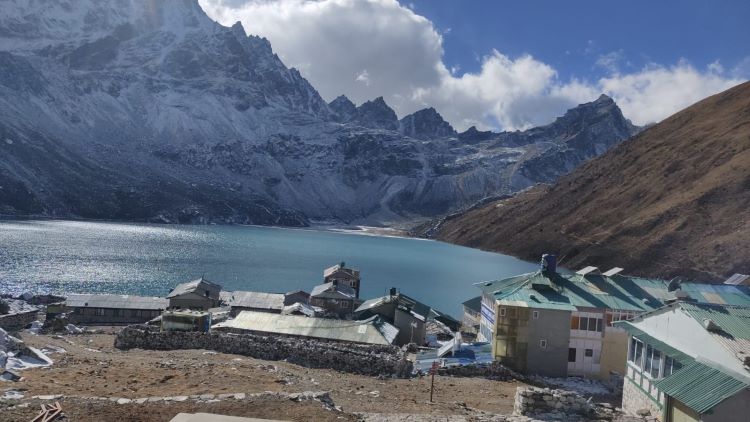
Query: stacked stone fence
point(14, 322)
point(493, 370)
point(532, 401)
point(345, 357)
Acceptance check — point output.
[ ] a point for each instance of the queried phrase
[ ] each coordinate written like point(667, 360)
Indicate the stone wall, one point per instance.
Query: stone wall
point(14, 322)
point(538, 401)
point(636, 402)
point(344, 357)
point(494, 370)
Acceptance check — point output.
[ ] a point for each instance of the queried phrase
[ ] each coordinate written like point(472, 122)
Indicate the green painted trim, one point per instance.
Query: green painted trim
point(643, 390)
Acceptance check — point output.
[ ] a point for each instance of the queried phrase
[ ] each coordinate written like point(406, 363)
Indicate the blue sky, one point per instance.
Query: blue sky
point(506, 65)
point(572, 35)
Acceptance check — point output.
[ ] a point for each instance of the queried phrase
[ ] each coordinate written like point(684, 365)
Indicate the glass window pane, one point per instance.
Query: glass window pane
point(584, 323)
point(599, 325)
point(574, 321)
point(638, 353)
point(655, 363)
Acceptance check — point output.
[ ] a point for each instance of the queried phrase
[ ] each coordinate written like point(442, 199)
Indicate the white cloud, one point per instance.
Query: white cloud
point(656, 91)
point(363, 77)
point(371, 48)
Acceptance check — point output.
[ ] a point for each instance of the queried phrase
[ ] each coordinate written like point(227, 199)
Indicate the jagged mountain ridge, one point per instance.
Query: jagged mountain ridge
point(671, 201)
point(149, 110)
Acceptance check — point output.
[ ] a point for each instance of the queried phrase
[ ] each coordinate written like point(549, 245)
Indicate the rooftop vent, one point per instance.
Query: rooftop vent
point(613, 271)
point(710, 325)
point(549, 263)
point(588, 270)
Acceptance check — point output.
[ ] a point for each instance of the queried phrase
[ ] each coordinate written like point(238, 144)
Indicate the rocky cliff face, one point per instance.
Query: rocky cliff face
point(426, 124)
point(150, 111)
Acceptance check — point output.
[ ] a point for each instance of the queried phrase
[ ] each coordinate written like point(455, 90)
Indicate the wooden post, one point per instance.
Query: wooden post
point(433, 369)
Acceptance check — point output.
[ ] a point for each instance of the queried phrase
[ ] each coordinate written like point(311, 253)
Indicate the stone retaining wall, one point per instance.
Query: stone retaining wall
point(14, 322)
point(537, 401)
point(494, 370)
point(344, 357)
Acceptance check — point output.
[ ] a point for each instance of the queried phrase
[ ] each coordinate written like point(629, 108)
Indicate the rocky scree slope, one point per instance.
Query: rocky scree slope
point(150, 111)
point(672, 201)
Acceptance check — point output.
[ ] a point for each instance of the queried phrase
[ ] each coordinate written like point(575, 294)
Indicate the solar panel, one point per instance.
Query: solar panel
point(587, 270)
point(613, 271)
point(736, 279)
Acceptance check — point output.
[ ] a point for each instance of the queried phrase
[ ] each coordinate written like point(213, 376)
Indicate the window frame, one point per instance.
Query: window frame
point(543, 344)
point(535, 314)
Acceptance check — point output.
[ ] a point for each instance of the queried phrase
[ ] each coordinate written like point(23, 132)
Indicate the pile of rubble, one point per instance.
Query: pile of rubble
point(16, 356)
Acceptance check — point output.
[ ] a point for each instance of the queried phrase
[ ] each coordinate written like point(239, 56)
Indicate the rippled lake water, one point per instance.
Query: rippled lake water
point(149, 259)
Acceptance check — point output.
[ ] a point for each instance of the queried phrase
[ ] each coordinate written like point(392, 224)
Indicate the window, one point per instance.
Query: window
point(599, 325)
point(535, 314)
point(543, 344)
point(502, 312)
point(589, 353)
point(584, 324)
point(670, 366)
point(636, 352)
point(652, 363)
point(344, 303)
point(572, 354)
point(574, 323)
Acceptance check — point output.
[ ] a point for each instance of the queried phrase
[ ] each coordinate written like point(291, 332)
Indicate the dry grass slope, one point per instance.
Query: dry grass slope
point(674, 200)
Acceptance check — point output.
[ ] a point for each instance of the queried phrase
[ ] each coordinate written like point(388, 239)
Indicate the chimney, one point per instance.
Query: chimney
point(393, 292)
point(549, 263)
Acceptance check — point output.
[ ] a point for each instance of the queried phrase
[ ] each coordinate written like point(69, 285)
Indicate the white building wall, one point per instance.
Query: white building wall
point(681, 331)
point(583, 340)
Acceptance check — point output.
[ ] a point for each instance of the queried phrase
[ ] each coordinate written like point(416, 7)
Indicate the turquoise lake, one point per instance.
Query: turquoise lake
point(148, 259)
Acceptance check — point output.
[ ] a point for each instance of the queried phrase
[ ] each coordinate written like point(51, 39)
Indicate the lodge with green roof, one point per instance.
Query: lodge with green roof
point(689, 361)
point(556, 324)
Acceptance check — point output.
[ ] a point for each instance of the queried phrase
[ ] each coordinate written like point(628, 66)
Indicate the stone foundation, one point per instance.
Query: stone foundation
point(637, 402)
point(345, 357)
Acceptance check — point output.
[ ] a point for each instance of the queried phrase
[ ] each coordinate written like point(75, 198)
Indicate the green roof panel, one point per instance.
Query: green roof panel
point(700, 387)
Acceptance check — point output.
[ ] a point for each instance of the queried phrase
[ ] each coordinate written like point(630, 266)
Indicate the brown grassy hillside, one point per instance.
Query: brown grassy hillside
point(674, 200)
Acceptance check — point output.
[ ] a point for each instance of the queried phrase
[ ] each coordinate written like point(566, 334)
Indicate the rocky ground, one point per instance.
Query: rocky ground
point(91, 375)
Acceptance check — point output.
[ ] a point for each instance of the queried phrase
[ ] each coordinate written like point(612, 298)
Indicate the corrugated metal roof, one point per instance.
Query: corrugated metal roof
point(322, 290)
point(474, 304)
point(191, 286)
point(733, 320)
point(619, 292)
point(700, 387)
point(257, 300)
point(116, 301)
point(415, 307)
point(372, 331)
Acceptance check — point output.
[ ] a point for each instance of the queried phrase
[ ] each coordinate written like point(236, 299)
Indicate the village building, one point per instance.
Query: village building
point(297, 296)
point(408, 315)
point(199, 294)
point(186, 320)
point(472, 315)
point(108, 309)
point(555, 324)
point(689, 361)
point(335, 299)
point(370, 331)
point(340, 275)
